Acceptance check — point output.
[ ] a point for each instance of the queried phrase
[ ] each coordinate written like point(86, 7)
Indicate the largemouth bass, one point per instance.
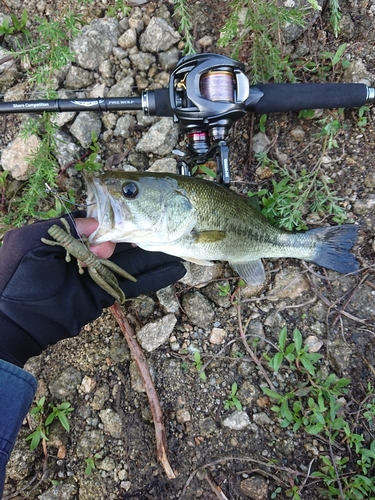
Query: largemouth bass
point(202, 221)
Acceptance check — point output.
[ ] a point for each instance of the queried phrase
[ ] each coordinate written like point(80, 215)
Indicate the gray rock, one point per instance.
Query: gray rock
point(142, 60)
point(65, 385)
point(297, 134)
point(119, 350)
point(100, 398)
point(248, 393)
point(339, 354)
point(168, 60)
point(135, 378)
point(237, 421)
point(255, 487)
point(293, 31)
point(8, 72)
point(21, 462)
point(106, 464)
point(158, 36)
point(66, 149)
point(365, 205)
point(78, 78)
point(200, 275)
point(214, 293)
point(167, 299)
point(123, 126)
point(91, 442)
point(289, 282)
point(122, 88)
point(198, 308)
point(62, 118)
point(160, 139)
point(154, 334)
point(356, 72)
point(370, 179)
point(14, 159)
point(262, 419)
point(167, 165)
point(86, 124)
point(95, 42)
point(261, 143)
point(61, 491)
point(112, 422)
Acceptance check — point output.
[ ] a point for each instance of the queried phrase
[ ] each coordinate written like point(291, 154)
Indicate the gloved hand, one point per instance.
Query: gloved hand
point(44, 299)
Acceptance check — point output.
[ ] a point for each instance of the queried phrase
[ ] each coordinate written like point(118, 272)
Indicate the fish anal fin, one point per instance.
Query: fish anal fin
point(251, 271)
point(209, 236)
point(199, 262)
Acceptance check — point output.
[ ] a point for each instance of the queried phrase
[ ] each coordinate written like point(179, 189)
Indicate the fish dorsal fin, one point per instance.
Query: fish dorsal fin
point(251, 271)
point(254, 201)
point(209, 236)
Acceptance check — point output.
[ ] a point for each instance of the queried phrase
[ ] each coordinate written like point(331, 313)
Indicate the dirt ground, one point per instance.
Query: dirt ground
point(111, 425)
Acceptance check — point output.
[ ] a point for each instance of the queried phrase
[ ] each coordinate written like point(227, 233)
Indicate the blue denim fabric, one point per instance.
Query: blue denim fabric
point(17, 391)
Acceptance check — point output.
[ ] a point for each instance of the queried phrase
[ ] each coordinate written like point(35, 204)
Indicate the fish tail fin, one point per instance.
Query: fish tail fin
point(332, 248)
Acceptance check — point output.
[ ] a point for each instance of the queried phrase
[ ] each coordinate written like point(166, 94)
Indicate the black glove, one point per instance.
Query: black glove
point(44, 299)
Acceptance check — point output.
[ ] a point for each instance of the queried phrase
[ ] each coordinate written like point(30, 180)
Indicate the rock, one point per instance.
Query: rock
point(237, 421)
point(91, 442)
point(160, 139)
point(198, 308)
point(21, 462)
point(255, 487)
point(61, 491)
point(167, 299)
point(183, 416)
point(66, 116)
point(95, 42)
point(86, 124)
point(262, 419)
point(356, 72)
point(339, 354)
point(214, 293)
point(154, 334)
point(106, 464)
point(200, 275)
point(88, 384)
point(297, 134)
point(365, 205)
point(124, 125)
point(65, 385)
point(14, 159)
point(313, 343)
point(119, 350)
point(100, 398)
point(135, 378)
point(261, 143)
point(217, 336)
point(112, 422)
point(122, 88)
point(248, 393)
point(158, 36)
point(289, 282)
point(206, 41)
point(370, 179)
point(66, 149)
point(167, 165)
point(8, 71)
point(142, 61)
point(78, 78)
point(168, 60)
point(128, 39)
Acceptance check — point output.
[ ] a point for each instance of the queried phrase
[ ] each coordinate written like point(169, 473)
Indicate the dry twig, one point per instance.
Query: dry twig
point(139, 357)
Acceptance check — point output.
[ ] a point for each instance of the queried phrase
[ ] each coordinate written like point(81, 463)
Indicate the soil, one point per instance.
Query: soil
point(112, 423)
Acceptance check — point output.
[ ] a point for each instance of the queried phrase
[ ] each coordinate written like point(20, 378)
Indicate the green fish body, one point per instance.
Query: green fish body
point(202, 221)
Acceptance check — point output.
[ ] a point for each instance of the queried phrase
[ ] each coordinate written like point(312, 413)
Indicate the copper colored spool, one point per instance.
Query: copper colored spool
point(217, 86)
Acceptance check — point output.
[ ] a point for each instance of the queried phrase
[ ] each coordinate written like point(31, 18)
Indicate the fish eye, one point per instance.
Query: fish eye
point(130, 190)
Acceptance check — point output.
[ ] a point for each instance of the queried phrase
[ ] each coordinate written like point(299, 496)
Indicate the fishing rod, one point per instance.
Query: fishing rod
point(207, 94)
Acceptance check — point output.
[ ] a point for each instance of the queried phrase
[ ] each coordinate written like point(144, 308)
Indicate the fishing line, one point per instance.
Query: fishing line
point(69, 214)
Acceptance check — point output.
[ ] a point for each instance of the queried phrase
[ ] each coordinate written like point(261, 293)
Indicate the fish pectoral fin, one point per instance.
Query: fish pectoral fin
point(200, 262)
point(209, 236)
point(251, 271)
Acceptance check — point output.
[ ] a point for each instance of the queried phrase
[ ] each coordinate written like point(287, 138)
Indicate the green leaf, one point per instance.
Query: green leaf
point(307, 365)
point(271, 394)
point(297, 337)
point(276, 361)
point(336, 58)
point(64, 421)
point(314, 429)
point(282, 338)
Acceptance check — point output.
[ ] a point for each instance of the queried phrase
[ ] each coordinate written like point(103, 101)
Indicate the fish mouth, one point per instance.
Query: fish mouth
point(101, 205)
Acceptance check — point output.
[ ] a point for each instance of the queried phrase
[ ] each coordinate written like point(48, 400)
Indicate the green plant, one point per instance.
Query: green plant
point(199, 366)
point(42, 430)
point(362, 118)
point(294, 194)
point(260, 30)
point(327, 65)
point(91, 463)
point(335, 17)
point(18, 25)
point(120, 6)
point(262, 123)
point(224, 290)
point(185, 25)
point(90, 164)
point(233, 402)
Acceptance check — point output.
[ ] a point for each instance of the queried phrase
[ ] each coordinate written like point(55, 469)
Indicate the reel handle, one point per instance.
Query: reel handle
point(282, 97)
